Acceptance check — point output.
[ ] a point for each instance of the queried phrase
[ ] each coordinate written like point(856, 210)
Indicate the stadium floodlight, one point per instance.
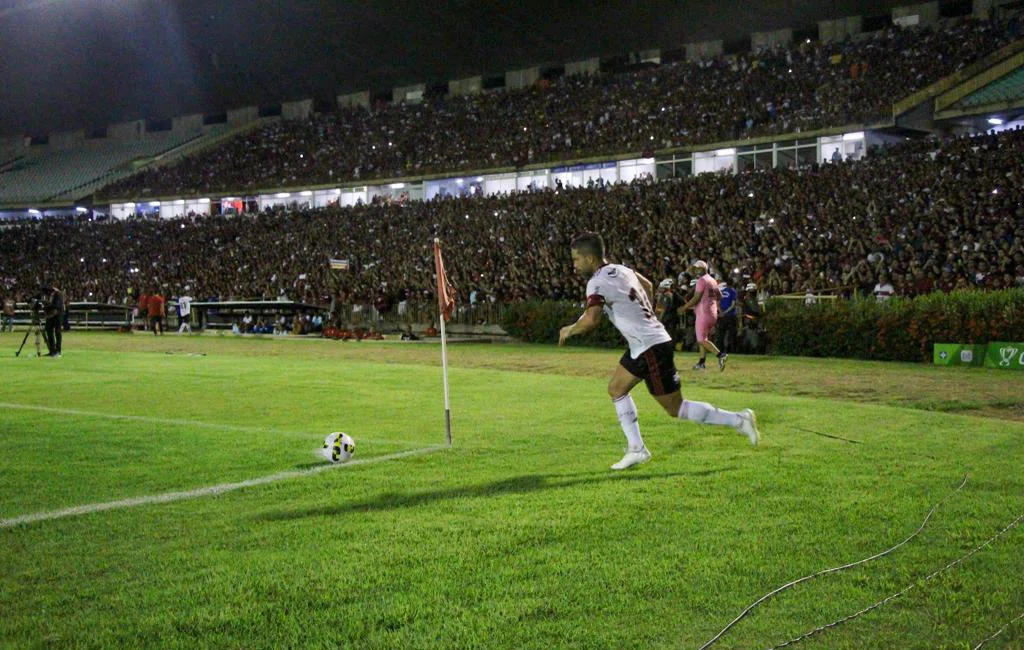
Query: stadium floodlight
point(33, 211)
point(397, 186)
point(857, 135)
point(282, 195)
point(81, 210)
point(995, 121)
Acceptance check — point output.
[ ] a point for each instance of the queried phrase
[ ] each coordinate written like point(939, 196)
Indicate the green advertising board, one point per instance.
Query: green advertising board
point(958, 354)
point(1006, 356)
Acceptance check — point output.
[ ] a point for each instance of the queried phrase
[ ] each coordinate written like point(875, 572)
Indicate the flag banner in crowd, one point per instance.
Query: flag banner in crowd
point(339, 265)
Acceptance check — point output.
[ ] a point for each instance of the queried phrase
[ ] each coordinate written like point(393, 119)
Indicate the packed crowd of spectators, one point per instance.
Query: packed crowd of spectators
point(921, 216)
point(781, 90)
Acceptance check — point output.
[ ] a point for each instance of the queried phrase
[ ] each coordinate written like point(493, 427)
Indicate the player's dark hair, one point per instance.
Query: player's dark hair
point(589, 243)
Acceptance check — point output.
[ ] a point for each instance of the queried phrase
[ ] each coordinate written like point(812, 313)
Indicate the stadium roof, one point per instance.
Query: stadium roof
point(68, 64)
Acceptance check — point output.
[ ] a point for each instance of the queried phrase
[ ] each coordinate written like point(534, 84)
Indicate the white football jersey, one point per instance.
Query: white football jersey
point(185, 305)
point(618, 290)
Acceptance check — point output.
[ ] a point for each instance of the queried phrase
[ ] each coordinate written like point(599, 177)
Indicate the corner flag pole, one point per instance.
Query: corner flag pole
point(444, 372)
point(445, 303)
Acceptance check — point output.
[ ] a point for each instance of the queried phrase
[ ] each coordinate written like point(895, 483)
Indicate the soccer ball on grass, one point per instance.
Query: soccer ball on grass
point(338, 447)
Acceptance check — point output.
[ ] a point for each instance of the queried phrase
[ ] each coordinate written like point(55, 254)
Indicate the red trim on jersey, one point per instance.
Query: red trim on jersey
point(595, 300)
point(652, 370)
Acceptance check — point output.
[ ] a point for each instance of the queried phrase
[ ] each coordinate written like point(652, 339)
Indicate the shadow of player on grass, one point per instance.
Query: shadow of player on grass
point(515, 485)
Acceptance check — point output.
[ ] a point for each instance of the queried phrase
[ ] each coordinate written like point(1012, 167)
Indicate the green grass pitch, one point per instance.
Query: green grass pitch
point(517, 537)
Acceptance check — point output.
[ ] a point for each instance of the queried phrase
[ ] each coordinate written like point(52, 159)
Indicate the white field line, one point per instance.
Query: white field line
point(173, 422)
point(212, 490)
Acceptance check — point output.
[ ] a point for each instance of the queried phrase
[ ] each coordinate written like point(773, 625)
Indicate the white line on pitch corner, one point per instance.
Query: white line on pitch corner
point(174, 422)
point(212, 490)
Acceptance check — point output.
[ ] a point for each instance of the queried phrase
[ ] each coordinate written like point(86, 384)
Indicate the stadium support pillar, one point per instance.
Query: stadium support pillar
point(926, 13)
point(515, 79)
point(467, 86)
point(983, 9)
point(297, 110)
point(186, 125)
point(703, 50)
point(245, 115)
point(840, 28)
point(765, 40)
point(127, 131)
point(355, 100)
point(408, 94)
point(581, 68)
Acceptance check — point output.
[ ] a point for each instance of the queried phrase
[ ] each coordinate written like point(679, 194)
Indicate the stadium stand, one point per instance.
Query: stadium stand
point(1005, 89)
point(930, 214)
point(798, 88)
point(42, 175)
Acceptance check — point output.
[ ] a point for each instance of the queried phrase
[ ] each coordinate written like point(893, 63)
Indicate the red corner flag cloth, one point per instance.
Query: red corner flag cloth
point(445, 291)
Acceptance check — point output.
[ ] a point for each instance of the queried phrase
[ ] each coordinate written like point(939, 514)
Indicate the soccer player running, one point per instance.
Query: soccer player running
point(625, 296)
point(704, 304)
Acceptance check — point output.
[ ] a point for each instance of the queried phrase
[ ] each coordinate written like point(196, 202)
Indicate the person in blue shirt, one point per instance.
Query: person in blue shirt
point(728, 321)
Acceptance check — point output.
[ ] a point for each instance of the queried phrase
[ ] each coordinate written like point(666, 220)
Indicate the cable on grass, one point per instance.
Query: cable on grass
point(903, 591)
point(793, 583)
point(828, 435)
point(999, 631)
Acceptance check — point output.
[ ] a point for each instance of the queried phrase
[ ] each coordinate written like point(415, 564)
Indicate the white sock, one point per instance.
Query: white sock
point(625, 408)
point(704, 413)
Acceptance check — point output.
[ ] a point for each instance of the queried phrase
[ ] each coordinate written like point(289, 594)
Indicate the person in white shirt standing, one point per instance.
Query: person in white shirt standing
point(884, 289)
point(625, 296)
point(185, 314)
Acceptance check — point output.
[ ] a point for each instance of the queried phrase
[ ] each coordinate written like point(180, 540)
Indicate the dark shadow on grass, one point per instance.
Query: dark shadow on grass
point(516, 485)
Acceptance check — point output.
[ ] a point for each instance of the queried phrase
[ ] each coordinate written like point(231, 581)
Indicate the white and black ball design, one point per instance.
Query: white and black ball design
point(338, 447)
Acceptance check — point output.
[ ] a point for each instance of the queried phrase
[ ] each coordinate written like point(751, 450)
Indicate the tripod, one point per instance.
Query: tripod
point(33, 328)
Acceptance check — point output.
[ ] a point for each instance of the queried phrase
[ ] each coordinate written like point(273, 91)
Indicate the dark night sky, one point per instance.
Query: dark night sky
point(68, 64)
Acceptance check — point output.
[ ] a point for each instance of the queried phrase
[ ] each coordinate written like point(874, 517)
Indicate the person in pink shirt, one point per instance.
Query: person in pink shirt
point(705, 306)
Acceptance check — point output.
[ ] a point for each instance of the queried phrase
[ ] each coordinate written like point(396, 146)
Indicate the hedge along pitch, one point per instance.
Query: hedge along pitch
point(902, 329)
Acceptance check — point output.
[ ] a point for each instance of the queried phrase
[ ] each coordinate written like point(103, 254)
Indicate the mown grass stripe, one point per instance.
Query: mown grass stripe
point(174, 422)
point(212, 490)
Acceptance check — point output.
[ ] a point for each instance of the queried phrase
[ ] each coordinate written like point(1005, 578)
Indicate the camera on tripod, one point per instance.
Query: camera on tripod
point(36, 307)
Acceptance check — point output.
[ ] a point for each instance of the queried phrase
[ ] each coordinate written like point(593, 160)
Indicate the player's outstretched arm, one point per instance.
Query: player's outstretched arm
point(588, 321)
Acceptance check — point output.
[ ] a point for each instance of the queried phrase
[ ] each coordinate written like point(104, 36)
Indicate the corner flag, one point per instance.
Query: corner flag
point(446, 306)
point(445, 290)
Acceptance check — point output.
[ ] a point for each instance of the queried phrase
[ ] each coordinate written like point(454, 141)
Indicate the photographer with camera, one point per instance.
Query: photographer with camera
point(53, 300)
